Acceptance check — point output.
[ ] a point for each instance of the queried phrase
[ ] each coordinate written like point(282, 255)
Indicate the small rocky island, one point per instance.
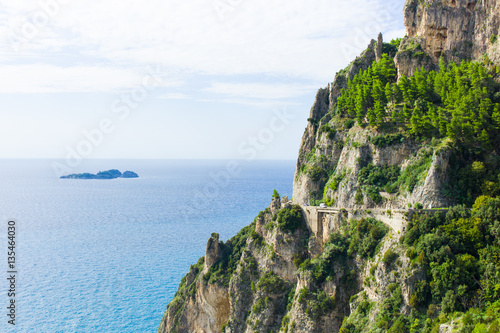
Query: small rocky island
point(109, 174)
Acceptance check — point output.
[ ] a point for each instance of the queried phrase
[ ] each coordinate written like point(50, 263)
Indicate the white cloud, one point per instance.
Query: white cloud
point(282, 46)
point(265, 91)
point(44, 78)
point(174, 96)
point(260, 104)
point(305, 39)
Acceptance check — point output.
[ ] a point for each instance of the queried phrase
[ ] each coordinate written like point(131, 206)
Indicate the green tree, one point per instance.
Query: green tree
point(379, 112)
point(389, 93)
point(372, 117)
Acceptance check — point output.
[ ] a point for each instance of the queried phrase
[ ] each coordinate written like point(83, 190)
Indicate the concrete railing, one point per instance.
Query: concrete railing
point(318, 222)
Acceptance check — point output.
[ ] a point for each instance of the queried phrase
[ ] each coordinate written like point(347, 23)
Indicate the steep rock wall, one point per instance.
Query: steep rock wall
point(454, 29)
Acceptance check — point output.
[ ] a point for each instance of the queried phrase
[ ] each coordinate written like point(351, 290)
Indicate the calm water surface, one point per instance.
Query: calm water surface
point(107, 255)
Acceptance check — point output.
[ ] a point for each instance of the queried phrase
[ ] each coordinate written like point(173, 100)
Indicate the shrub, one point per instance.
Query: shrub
point(415, 172)
point(389, 257)
point(276, 194)
point(314, 202)
point(316, 173)
point(374, 194)
point(359, 198)
point(349, 123)
point(297, 259)
point(396, 42)
point(418, 205)
point(258, 239)
point(448, 305)
point(261, 304)
point(303, 294)
point(379, 178)
point(290, 219)
point(329, 130)
point(365, 236)
point(387, 140)
point(270, 283)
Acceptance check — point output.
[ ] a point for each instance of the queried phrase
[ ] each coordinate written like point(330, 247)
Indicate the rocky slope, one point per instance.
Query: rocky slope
point(274, 286)
point(335, 150)
point(299, 269)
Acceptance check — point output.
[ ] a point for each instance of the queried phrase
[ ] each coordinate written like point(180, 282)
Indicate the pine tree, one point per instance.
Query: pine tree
point(360, 105)
point(458, 101)
point(485, 140)
point(406, 113)
point(389, 93)
point(495, 116)
point(433, 115)
point(417, 122)
point(398, 95)
point(395, 115)
point(372, 117)
point(379, 113)
point(378, 93)
point(412, 90)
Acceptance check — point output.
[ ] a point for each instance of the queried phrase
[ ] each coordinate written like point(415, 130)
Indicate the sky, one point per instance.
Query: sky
point(173, 79)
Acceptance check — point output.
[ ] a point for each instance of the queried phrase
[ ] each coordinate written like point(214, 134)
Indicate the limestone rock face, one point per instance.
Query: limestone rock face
point(430, 192)
point(410, 58)
point(204, 306)
point(456, 29)
point(346, 161)
point(212, 252)
point(206, 312)
point(451, 29)
point(325, 101)
point(379, 48)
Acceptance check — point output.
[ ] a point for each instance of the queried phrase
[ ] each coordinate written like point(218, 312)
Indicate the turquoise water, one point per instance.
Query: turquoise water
point(107, 255)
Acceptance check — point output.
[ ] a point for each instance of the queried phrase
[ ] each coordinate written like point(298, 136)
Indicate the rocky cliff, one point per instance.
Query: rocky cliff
point(274, 286)
point(334, 150)
point(368, 263)
point(451, 31)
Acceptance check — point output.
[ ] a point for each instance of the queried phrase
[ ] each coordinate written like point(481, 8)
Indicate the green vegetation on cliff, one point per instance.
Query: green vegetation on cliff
point(455, 109)
point(458, 101)
point(359, 238)
point(229, 256)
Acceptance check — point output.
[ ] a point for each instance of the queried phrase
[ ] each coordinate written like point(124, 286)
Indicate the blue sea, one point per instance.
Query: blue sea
point(108, 255)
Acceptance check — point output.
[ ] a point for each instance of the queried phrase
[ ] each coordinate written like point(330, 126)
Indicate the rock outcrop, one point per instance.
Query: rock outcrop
point(324, 102)
point(452, 29)
point(208, 306)
point(252, 295)
point(268, 292)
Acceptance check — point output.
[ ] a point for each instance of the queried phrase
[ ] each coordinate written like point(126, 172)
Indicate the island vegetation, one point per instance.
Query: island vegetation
point(109, 174)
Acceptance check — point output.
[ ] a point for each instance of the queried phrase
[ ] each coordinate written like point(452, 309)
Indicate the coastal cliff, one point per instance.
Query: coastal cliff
point(394, 222)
